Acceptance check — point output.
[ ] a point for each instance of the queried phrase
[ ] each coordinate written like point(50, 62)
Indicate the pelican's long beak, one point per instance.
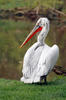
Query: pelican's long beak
point(36, 29)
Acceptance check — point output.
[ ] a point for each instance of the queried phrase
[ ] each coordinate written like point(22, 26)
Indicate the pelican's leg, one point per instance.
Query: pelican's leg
point(45, 79)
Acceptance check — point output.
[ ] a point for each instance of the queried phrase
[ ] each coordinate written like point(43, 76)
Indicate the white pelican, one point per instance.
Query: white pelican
point(40, 58)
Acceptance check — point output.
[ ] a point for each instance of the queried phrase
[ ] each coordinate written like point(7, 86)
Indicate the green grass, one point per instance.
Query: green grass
point(15, 90)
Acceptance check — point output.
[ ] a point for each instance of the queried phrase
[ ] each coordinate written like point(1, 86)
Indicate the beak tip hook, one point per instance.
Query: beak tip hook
point(21, 46)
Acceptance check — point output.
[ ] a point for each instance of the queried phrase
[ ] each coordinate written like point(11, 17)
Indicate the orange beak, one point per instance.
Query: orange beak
point(34, 31)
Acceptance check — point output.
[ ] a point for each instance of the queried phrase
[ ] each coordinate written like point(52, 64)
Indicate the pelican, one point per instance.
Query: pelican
point(40, 58)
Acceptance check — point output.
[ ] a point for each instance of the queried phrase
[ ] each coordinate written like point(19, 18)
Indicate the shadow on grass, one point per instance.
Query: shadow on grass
point(48, 83)
point(45, 84)
point(55, 82)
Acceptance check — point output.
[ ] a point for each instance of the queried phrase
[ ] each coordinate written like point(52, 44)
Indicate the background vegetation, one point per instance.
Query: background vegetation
point(9, 4)
point(13, 33)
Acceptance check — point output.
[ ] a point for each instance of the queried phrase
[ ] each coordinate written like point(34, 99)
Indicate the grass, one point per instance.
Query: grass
point(15, 90)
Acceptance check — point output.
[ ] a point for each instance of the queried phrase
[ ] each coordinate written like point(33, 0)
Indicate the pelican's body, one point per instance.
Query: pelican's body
point(39, 59)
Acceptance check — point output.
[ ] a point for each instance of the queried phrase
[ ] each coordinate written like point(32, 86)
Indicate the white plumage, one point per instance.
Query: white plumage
point(40, 58)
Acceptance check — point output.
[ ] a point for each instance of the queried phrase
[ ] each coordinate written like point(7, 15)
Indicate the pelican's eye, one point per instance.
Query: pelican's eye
point(47, 25)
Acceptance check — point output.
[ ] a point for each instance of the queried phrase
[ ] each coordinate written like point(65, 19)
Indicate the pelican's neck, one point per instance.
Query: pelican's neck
point(41, 41)
point(42, 35)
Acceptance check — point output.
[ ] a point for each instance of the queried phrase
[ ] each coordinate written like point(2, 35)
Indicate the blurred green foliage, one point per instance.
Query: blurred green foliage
point(7, 4)
point(13, 33)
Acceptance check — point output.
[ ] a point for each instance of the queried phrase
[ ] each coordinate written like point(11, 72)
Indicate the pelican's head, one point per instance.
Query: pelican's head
point(44, 23)
point(42, 26)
